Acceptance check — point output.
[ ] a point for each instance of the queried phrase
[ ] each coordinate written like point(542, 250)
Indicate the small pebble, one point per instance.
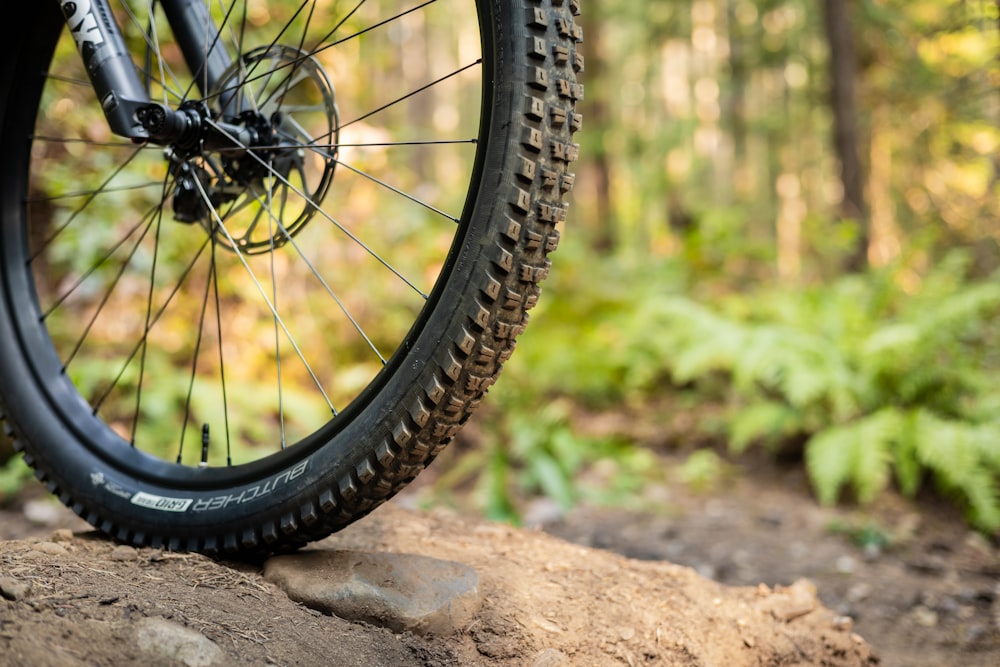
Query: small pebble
point(62, 535)
point(14, 589)
point(974, 633)
point(42, 512)
point(928, 618)
point(124, 552)
point(859, 592)
point(51, 548)
point(549, 657)
point(843, 623)
point(847, 565)
point(872, 551)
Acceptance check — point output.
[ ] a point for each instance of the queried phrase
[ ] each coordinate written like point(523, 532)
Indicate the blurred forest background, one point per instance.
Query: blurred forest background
point(784, 235)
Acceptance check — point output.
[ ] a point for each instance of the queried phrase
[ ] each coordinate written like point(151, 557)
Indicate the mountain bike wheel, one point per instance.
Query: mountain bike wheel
point(229, 350)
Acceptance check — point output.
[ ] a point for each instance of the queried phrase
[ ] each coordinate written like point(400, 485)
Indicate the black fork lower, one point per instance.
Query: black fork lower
point(124, 98)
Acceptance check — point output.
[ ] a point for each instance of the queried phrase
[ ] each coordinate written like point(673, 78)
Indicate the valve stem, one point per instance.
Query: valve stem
point(204, 446)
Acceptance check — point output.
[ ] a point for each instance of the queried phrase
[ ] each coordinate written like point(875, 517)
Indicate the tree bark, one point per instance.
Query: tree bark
point(843, 70)
point(737, 94)
point(598, 115)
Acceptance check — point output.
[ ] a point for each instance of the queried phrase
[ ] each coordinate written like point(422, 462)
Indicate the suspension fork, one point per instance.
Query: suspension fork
point(124, 98)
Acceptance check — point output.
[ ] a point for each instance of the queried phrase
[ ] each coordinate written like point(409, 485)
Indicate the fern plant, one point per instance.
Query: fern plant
point(881, 386)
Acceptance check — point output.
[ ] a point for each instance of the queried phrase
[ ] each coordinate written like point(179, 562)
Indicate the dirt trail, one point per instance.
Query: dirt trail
point(82, 600)
point(917, 584)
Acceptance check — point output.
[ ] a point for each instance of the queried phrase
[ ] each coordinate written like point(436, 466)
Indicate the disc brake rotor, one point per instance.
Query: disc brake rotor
point(254, 199)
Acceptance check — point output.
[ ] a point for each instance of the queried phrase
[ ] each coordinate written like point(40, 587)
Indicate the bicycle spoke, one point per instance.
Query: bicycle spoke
point(290, 80)
point(104, 300)
point(274, 298)
point(208, 50)
point(378, 258)
point(89, 142)
point(73, 216)
point(149, 312)
point(370, 28)
point(378, 181)
point(86, 193)
point(145, 220)
point(194, 364)
point(153, 47)
point(145, 334)
point(399, 192)
point(396, 144)
point(340, 304)
point(295, 78)
point(245, 79)
point(321, 46)
point(217, 220)
point(410, 94)
point(222, 369)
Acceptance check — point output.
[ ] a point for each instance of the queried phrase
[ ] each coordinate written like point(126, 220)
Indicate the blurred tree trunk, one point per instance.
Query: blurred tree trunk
point(597, 114)
point(843, 70)
point(737, 92)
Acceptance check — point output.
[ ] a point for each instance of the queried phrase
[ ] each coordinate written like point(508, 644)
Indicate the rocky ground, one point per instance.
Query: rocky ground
point(749, 572)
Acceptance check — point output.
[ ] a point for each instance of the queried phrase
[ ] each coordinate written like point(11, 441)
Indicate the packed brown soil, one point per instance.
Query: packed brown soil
point(716, 573)
point(79, 599)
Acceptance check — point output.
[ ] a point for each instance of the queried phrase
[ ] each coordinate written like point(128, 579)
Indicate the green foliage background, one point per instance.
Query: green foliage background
point(701, 270)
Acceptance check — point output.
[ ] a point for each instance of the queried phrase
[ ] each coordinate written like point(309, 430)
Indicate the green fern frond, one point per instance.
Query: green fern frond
point(893, 341)
point(767, 421)
point(986, 440)
point(965, 305)
point(872, 464)
point(828, 462)
point(909, 471)
point(701, 358)
point(784, 359)
point(703, 341)
point(758, 362)
point(933, 355)
point(821, 373)
point(962, 457)
point(802, 368)
point(858, 453)
point(946, 447)
point(982, 496)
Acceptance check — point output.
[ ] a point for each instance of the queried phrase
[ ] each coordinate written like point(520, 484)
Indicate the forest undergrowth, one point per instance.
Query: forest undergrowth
point(869, 384)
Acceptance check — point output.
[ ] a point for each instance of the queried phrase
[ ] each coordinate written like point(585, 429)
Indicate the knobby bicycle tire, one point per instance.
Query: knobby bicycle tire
point(442, 363)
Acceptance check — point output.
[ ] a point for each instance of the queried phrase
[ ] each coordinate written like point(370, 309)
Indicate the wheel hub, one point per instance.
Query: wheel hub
point(253, 168)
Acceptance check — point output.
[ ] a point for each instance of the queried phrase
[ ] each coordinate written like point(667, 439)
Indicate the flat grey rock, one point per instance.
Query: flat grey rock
point(160, 638)
point(401, 592)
